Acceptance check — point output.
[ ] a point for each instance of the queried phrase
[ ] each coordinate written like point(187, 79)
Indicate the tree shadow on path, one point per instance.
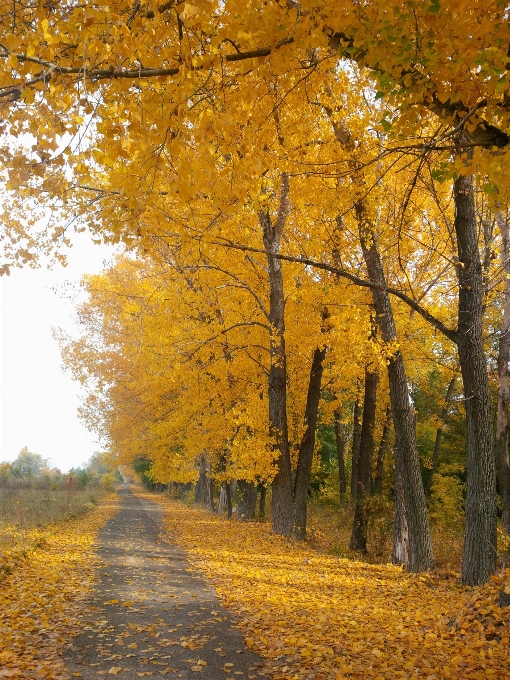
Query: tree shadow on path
point(151, 614)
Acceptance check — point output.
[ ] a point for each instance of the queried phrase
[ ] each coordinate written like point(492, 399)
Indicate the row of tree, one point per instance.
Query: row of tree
point(32, 470)
point(364, 144)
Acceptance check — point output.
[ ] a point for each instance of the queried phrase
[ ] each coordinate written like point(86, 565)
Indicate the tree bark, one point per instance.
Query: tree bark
point(241, 498)
point(479, 560)
point(439, 435)
point(251, 500)
point(501, 446)
point(359, 525)
point(306, 449)
point(400, 553)
point(229, 499)
point(200, 489)
point(381, 453)
point(406, 452)
point(262, 502)
point(222, 503)
point(283, 503)
point(356, 442)
point(340, 452)
point(209, 494)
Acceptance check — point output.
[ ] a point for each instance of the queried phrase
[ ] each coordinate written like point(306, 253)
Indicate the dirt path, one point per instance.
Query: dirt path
point(151, 614)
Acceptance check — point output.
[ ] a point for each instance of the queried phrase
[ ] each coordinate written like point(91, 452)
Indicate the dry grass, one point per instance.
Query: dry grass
point(26, 507)
point(26, 512)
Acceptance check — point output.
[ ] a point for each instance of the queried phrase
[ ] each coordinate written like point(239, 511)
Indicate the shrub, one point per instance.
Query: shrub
point(447, 500)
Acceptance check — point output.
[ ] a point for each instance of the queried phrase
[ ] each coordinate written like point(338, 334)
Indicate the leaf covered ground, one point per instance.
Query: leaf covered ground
point(319, 617)
point(45, 577)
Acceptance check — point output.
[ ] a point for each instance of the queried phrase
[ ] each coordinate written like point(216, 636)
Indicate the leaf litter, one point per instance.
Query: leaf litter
point(44, 596)
point(320, 617)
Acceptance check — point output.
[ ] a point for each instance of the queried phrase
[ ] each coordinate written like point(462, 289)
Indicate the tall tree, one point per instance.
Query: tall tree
point(480, 540)
point(503, 387)
point(364, 481)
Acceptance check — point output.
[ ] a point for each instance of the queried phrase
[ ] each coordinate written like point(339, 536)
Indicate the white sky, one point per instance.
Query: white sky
point(38, 401)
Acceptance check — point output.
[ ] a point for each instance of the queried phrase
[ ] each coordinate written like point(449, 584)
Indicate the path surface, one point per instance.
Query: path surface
point(151, 614)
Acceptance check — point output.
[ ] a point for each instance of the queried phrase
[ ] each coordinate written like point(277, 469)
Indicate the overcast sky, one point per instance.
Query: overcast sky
point(38, 401)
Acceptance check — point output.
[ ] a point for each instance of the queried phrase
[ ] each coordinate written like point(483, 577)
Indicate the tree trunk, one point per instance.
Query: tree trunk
point(209, 493)
point(479, 559)
point(222, 503)
point(359, 525)
point(439, 435)
point(262, 502)
point(356, 441)
point(200, 489)
point(502, 461)
point(241, 498)
point(283, 503)
point(381, 453)
point(340, 452)
point(400, 553)
point(406, 452)
point(250, 500)
point(228, 494)
point(306, 449)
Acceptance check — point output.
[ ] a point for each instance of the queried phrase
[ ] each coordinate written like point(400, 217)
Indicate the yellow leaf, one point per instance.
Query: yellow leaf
point(188, 11)
point(114, 670)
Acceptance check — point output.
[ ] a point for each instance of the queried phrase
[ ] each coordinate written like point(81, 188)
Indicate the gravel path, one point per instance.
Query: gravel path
point(152, 614)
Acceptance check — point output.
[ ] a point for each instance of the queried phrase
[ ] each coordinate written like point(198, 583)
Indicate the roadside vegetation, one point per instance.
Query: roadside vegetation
point(34, 498)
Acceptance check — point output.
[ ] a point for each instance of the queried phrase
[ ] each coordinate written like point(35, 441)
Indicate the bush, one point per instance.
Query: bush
point(108, 481)
point(447, 500)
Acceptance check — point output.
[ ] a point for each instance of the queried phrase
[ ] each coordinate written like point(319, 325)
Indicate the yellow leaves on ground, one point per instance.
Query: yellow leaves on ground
point(317, 616)
point(17, 545)
point(40, 601)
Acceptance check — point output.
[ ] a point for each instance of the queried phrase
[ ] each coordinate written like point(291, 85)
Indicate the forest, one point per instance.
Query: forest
point(312, 306)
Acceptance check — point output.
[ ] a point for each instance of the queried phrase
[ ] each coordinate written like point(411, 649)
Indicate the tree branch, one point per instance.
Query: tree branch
point(430, 318)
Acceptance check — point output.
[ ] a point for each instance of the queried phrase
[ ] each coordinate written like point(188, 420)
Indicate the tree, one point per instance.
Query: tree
point(28, 465)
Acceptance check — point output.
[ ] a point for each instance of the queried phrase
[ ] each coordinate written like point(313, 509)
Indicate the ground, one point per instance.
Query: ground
point(151, 613)
point(146, 586)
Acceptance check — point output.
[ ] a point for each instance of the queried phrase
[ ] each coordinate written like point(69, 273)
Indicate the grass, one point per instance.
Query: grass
point(27, 513)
